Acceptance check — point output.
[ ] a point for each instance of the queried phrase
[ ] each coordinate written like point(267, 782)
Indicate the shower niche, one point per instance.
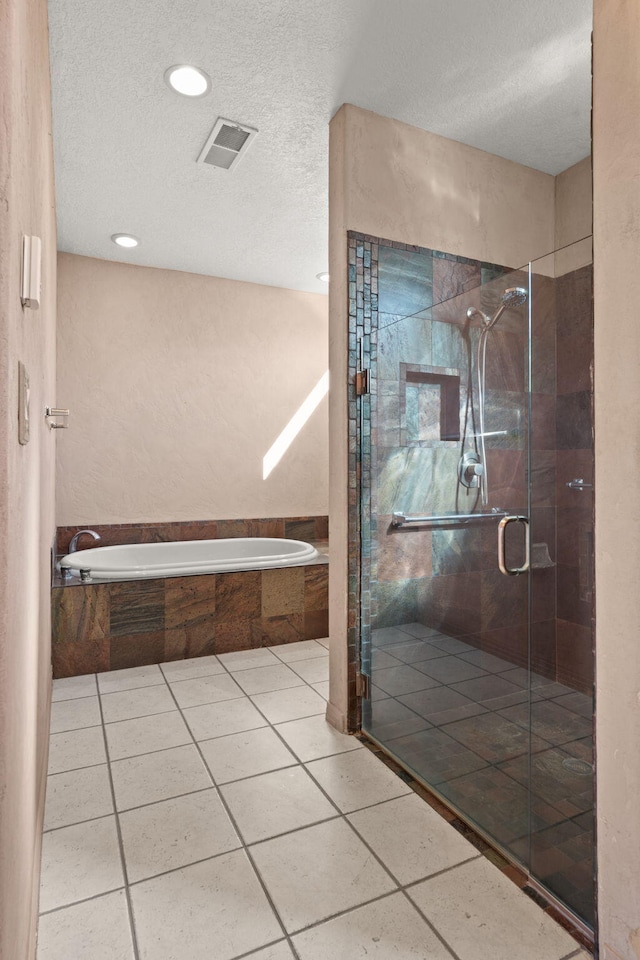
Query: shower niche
point(476, 632)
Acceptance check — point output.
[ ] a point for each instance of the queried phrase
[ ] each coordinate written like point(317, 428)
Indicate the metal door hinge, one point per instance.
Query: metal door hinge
point(362, 686)
point(362, 382)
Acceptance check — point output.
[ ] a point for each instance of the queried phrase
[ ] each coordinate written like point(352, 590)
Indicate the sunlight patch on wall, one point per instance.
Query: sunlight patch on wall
point(276, 452)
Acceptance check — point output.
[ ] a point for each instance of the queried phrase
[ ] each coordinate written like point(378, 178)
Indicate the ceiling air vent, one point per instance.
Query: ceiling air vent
point(227, 142)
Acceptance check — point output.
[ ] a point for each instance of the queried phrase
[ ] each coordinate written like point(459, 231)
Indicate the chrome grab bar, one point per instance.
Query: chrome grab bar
point(399, 519)
point(578, 484)
point(502, 563)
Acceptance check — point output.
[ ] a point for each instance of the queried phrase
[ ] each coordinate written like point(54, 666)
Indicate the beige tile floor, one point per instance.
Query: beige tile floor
point(204, 810)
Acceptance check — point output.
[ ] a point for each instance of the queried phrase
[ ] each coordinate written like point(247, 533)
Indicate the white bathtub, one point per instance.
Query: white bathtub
point(186, 558)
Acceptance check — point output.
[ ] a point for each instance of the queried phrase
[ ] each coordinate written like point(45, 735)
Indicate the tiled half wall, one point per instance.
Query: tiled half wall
point(293, 528)
point(111, 626)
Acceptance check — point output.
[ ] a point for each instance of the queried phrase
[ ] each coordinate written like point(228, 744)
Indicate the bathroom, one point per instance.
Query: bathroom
point(194, 369)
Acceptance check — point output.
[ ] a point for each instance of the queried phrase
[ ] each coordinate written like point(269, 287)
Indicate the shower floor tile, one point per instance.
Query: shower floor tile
point(417, 651)
point(450, 670)
point(488, 687)
point(495, 738)
point(431, 703)
point(403, 679)
point(301, 846)
point(435, 756)
point(495, 802)
point(388, 719)
point(550, 721)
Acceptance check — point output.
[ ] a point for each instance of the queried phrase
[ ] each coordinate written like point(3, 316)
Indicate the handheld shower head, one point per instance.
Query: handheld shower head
point(514, 296)
point(511, 297)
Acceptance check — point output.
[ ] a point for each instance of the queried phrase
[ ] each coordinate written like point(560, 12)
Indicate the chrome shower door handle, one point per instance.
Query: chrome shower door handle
point(502, 562)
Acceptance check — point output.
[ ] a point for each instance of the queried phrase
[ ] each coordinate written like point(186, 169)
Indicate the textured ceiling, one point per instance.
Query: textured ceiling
point(509, 76)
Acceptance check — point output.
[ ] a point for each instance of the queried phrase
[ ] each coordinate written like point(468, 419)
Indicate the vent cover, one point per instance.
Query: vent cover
point(227, 142)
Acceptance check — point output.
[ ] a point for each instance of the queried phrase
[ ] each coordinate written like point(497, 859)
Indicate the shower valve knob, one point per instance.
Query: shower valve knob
point(473, 471)
point(470, 470)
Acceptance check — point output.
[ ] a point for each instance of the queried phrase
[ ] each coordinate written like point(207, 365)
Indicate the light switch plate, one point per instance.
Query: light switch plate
point(23, 404)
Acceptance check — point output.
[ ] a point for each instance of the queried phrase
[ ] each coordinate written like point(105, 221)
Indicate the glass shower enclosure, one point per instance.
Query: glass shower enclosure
point(476, 525)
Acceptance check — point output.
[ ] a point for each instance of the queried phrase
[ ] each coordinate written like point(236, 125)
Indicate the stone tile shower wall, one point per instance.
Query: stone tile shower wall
point(574, 443)
point(448, 578)
point(440, 577)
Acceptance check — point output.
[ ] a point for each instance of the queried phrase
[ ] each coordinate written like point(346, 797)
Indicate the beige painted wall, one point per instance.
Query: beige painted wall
point(574, 207)
point(178, 385)
point(395, 181)
point(616, 158)
point(574, 216)
point(26, 473)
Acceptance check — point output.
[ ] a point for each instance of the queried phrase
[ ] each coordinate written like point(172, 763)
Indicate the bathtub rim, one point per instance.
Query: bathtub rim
point(311, 555)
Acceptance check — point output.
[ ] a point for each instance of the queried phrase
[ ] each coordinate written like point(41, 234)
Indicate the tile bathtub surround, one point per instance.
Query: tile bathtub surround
point(259, 837)
point(115, 626)
point(293, 528)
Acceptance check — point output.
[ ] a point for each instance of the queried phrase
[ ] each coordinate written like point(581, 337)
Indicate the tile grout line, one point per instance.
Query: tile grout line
point(432, 927)
point(340, 815)
point(399, 886)
point(74, 903)
point(123, 863)
point(239, 835)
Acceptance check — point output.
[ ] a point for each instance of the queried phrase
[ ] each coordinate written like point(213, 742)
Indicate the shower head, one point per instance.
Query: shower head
point(514, 296)
point(511, 297)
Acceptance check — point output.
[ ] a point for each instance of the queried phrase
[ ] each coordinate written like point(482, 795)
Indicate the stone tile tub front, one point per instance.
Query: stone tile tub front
point(113, 625)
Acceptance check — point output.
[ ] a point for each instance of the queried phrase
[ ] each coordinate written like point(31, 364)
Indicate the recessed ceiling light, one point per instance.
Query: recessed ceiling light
point(189, 81)
point(125, 240)
point(323, 276)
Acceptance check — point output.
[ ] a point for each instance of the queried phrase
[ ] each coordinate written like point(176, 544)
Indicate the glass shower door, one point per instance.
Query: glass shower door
point(481, 675)
point(560, 774)
point(449, 461)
